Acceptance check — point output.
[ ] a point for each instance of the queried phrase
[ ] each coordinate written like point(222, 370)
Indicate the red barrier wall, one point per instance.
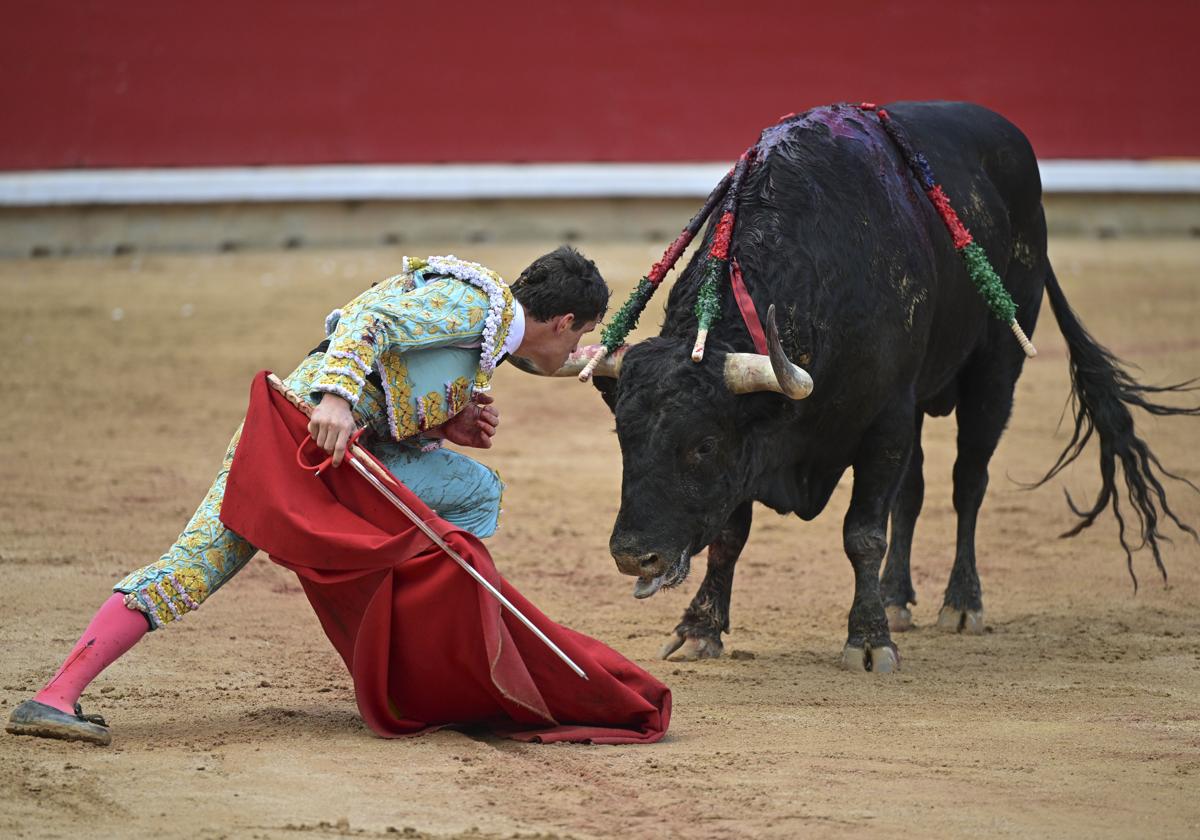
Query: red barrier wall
point(162, 83)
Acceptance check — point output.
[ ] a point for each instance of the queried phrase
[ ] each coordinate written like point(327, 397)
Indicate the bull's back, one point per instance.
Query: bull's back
point(988, 169)
point(964, 139)
point(833, 230)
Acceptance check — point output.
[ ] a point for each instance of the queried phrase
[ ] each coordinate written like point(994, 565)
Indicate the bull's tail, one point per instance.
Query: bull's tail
point(1102, 393)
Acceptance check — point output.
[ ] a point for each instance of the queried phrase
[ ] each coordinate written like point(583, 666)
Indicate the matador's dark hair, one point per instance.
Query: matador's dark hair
point(560, 282)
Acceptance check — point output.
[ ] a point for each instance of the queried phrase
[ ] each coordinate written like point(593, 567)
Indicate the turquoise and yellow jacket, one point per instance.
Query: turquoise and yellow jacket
point(434, 333)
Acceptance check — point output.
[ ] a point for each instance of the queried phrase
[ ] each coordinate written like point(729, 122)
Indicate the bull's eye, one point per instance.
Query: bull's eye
point(705, 448)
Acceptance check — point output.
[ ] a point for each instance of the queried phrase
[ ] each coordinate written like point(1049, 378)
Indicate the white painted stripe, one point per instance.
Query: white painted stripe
point(487, 181)
point(1121, 176)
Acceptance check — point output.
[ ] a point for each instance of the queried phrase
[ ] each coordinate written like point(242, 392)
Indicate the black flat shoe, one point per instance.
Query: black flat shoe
point(96, 719)
point(42, 721)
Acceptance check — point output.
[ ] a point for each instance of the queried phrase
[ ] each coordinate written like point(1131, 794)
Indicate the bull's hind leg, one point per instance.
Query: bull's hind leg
point(896, 584)
point(698, 635)
point(985, 403)
point(879, 466)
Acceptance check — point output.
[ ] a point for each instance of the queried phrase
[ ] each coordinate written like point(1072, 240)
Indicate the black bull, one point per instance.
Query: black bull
point(876, 304)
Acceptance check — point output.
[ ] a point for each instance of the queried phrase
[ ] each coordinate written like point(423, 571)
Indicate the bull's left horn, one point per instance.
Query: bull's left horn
point(747, 373)
point(609, 366)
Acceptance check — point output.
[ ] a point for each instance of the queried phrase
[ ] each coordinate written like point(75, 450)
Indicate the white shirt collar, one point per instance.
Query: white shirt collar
point(516, 330)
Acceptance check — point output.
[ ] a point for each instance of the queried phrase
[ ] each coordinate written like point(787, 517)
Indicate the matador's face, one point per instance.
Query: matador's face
point(548, 343)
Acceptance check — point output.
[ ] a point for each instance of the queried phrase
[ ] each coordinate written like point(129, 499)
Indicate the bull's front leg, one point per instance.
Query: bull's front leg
point(878, 468)
point(698, 635)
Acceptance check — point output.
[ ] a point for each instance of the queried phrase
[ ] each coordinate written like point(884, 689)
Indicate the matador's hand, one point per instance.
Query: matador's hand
point(474, 425)
point(331, 425)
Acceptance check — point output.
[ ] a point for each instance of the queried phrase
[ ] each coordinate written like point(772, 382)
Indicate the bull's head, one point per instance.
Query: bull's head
point(688, 445)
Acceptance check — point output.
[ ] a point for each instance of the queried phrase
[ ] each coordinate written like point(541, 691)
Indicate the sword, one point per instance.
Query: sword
point(365, 466)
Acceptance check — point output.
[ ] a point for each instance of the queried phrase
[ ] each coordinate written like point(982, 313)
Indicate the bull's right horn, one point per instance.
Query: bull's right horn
point(747, 373)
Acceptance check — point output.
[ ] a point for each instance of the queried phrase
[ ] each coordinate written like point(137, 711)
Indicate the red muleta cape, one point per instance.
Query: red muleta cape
point(426, 645)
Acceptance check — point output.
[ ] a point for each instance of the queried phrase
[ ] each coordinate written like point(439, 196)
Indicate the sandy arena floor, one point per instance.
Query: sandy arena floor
point(1077, 714)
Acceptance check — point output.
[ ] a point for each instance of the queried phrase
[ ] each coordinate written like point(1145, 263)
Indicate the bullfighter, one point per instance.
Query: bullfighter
point(411, 360)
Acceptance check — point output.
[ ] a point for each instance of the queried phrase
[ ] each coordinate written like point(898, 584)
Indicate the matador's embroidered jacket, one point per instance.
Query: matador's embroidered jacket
point(434, 334)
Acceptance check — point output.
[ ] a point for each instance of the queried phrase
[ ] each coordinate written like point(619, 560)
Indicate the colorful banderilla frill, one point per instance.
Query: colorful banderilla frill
point(617, 330)
point(716, 263)
point(979, 268)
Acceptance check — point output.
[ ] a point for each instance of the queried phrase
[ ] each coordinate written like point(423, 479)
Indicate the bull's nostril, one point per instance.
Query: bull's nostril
point(632, 561)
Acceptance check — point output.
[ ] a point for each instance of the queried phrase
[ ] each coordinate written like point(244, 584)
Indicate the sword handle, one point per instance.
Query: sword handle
point(306, 408)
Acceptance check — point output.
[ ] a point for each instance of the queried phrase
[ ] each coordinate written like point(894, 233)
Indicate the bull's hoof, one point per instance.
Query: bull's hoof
point(899, 618)
point(953, 620)
point(884, 659)
point(691, 648)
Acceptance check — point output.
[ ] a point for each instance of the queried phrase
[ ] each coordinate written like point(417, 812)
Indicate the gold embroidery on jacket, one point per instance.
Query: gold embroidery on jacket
point(458, 393)
point(431, 411)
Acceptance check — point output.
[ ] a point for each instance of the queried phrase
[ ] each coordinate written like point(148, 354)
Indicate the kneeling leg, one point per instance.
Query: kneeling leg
point(461, 490)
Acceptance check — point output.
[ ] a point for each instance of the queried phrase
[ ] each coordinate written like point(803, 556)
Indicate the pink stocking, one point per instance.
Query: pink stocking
point(114, 630)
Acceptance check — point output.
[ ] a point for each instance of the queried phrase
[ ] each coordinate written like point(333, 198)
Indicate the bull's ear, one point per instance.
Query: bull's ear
point(607, 386)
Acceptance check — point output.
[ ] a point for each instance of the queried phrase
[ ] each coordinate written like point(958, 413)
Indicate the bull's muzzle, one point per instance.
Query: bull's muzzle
point(633, 559)
point(640, 565)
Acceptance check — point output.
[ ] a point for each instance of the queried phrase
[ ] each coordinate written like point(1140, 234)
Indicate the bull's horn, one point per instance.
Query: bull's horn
point(747, 373)
point(608, 366)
